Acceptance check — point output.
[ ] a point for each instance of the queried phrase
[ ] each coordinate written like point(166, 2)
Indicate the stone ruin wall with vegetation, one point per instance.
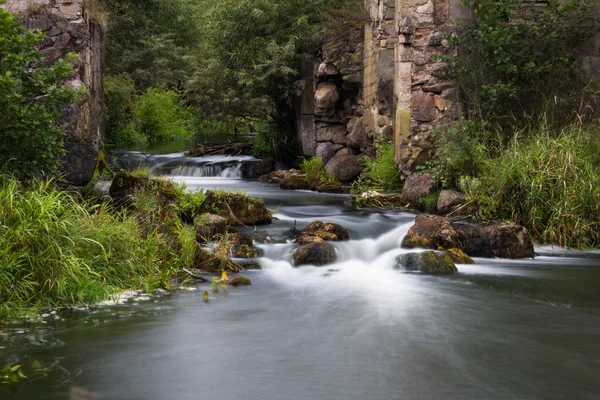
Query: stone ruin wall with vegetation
point(386, 82)
point(70, 28)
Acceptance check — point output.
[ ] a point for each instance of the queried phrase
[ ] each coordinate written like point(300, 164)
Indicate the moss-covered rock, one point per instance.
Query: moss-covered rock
point(331, 186)
point(427, 262)
point(209, 227)
point(125, 185)
point(250, 264)
point(245, 251)
point(208, 262)
point(277, 176)
point(320, 253)
point(295, 182)
point(240, 281)
point(238, 208)
point(324, 231)
point(238, 239)
point(431, 231)
point(459, 257)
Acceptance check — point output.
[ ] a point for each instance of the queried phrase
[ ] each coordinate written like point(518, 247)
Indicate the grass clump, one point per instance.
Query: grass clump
point(315, 172)
point(55, 252)
point(382, 170)
point(548, 183)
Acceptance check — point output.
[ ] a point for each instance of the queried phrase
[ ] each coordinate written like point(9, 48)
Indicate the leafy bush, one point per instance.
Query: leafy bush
point(118, 97)
point(519, 61)
point(460, 152)
point(265, 141)
point(548, 183)
point(382, 170)
point(31, 100)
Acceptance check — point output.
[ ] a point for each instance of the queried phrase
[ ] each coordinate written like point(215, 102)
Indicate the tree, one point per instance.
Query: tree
point(31, 101)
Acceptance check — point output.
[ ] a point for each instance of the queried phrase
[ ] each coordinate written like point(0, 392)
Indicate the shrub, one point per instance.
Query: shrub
point(265, 141)
point(118, 97)
point(550, 184)
point(383, 170)
point(31, 100)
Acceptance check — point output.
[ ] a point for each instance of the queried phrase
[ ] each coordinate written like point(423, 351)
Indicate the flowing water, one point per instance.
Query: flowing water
point(358, 329)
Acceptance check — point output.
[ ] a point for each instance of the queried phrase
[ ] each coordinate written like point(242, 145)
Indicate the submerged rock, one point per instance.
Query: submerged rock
point(237, 208)
point(501, 239)
point(209, 227)
point(431, 232)
point(320, 253)
point(329, 187)
point(427, 262)
point(250, 265)
point(240, 281)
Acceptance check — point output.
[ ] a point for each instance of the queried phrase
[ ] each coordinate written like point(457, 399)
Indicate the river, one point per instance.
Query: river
point(358, 329)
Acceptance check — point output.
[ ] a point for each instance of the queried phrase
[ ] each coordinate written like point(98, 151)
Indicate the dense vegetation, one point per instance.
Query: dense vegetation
point(528, 150)
point(31, 101)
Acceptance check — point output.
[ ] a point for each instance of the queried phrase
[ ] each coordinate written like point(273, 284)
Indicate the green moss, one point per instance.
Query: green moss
point(428, 203)
point(240, 281)
point(458, 256)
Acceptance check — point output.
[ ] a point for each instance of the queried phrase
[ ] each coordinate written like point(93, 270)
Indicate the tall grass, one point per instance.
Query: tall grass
point(549, 183)
point(383, 170)
point(55, 252)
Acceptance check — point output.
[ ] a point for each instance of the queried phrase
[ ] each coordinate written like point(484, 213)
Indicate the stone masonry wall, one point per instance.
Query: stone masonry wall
point(69, 29)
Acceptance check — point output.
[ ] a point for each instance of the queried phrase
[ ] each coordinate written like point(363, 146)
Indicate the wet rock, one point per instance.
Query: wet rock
point(240, 281)
point(245, 251)
point(237, 208)
point(320, 253)
point(254, 169)
point(295, 182)
point(208, 262)
point(238, 239)
point(277, 176)
point(416, 187)
point(459, 257)
point(125, 184)
point(325, 231)
point(431, 232)
point(329, 187)
point(309, 239)
point(346, 168)
point(501, 239)
point(427, 262)
point(449, 201)
point(326, 98)
point(209, 227)
point(250, 265)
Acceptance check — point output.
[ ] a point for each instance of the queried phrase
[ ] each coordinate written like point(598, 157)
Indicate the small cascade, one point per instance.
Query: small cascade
point(177, 164)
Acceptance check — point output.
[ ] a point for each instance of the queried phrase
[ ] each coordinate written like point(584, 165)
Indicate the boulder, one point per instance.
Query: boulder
point(325, 231)
point(501, 239)
point(416, 187)
point(427, 262)
point(318, 254)
point(449, 200)
point(254, 169)
point(431, 232)
point(240, 281)
point(125, 184)
point(329, 187)
point(346, 168)
point(238, 208)
point(326, 98)
point(209, 226)
point(245, 251)
point(208, 262)
point(325, 151)
point(358, 137)
point(458, 256)
point(326, 132)
point(277, 176)
point(295, 182)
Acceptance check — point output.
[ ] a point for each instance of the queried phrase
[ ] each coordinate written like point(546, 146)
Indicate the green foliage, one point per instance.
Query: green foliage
point(314, 170)
point(265, 141)
point(428, 203)
point(519, 61)
point(55, 252)
point(119, 93)
point(549, 183)
point(31, 100)
point(460, 153)
point(382, 170)
point(11, 374)
point(150, 42)
point(249, 60)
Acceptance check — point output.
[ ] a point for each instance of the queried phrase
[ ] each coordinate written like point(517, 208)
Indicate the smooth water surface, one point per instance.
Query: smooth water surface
point(358, 329)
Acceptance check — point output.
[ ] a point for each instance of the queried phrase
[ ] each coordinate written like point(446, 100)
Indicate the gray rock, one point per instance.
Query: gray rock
point(449, 200)
point(501, 239)
point(358, 137)
point(326, 98)
point(210, 226)
point(416, 187)
point(345, 167)
point(254, 169)
point(317, 253)
point(325, 151)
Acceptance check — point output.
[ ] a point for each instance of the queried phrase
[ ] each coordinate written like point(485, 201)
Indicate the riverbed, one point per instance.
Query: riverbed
point(357, 329)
